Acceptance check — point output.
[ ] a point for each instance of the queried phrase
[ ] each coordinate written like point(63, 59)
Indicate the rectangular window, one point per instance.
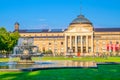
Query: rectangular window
point(61, 43)
point(49, 43)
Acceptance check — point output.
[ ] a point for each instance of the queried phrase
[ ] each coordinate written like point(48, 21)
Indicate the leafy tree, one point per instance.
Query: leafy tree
point(2, 41)
point(7, 40)
point(13, 40)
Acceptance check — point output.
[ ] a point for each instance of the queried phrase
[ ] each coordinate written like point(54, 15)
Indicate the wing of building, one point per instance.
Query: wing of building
point(79, 38)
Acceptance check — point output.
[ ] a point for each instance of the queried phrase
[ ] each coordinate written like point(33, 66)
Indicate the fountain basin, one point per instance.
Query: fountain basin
point(25, 59)
point(25, 62)
point(43, 65)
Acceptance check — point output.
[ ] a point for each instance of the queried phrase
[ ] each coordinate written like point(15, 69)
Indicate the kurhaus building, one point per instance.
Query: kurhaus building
point(79, 38)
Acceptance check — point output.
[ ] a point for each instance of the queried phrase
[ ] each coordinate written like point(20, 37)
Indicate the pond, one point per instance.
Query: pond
point(48, 65)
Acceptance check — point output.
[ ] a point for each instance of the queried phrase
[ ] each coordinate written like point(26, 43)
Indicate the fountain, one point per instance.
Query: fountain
point(25, 58)
point(25, 49)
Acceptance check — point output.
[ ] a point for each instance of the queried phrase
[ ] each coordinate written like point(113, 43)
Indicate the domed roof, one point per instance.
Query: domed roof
point(81, 19)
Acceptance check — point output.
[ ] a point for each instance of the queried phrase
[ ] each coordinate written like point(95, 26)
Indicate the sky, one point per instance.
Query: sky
point(58, 14)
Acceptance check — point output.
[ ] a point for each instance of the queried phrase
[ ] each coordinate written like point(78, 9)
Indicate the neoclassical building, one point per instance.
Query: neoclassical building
point(81, 37)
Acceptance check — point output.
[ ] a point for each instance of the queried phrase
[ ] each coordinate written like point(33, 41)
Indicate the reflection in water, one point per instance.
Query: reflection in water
point(49, 64)
point(67, 64)
point(80, 64)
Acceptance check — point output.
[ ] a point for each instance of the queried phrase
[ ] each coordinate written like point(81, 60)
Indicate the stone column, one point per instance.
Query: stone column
point(87, 44)
point(92, 43)
point(81, 44)
point(66, 44)
point(70, 42)
point(76, 47)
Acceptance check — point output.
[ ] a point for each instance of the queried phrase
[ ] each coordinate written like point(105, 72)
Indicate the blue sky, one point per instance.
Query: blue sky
point(37, 14)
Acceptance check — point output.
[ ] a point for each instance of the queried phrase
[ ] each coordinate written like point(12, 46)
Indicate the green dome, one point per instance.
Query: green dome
point(81, 20)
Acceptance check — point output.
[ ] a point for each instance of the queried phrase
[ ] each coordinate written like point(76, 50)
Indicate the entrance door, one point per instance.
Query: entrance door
point(84, 49)
point(79, 49)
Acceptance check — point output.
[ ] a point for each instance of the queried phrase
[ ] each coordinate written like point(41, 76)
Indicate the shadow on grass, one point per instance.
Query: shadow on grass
point(104, 72)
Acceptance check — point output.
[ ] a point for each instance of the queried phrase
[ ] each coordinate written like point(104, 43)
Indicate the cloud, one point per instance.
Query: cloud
point(44, 26)
point(42, 19)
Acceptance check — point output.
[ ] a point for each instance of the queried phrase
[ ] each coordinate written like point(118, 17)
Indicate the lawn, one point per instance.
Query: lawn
point(104, 72)
point(96, 59)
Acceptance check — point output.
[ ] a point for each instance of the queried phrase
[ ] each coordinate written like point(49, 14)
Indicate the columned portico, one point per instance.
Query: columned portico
point(82, 44)
point(80, 36)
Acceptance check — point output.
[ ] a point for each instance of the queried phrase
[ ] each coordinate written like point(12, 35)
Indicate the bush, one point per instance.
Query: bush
point(48, 52)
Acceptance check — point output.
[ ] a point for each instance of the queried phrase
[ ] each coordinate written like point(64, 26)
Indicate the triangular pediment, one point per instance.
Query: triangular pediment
point(78, 30)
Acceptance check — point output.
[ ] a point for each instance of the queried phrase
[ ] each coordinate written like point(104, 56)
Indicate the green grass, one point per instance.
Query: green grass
point(104, 72)
point(7, 59)
point(96, 59)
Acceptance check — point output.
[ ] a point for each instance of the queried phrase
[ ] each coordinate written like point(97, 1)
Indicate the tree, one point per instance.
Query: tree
point(7, 40)
point(13, 40)
point(2, 41)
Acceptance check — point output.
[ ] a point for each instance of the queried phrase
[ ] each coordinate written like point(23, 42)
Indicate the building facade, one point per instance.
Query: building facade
point(80, 38)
